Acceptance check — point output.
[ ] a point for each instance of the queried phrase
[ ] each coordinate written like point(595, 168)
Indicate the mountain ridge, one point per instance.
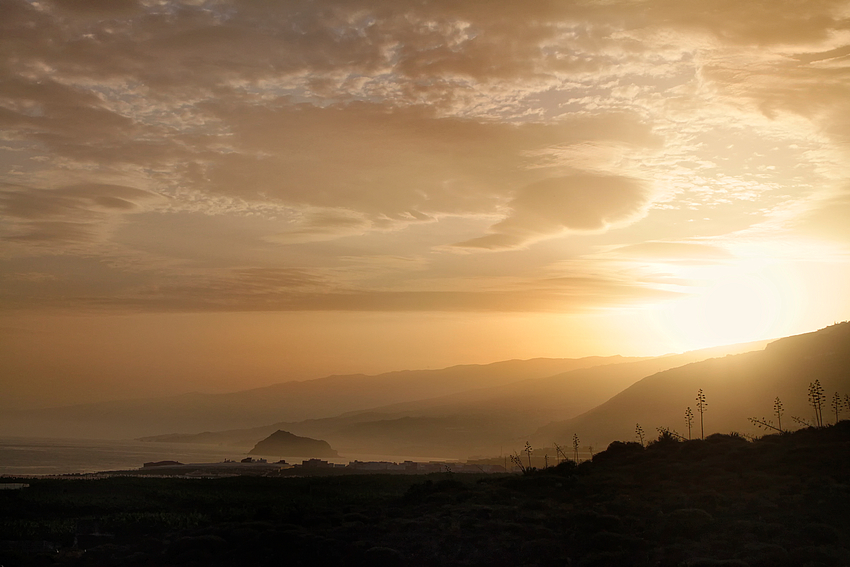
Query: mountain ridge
point(736, 387)
point(287, 401)
point(473, 421)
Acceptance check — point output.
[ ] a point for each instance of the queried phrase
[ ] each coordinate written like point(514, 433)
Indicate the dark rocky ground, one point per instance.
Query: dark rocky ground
point(783, 500)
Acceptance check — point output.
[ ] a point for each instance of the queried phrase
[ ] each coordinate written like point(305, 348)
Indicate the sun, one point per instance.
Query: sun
point(732, 307)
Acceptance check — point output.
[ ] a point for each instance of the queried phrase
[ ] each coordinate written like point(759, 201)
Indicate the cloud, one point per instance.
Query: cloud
point(409, 161)
point(760, 22)
point(315, 225)
point(296, 290)
point(309, 132)
point(204, 101)
point(98, 8)
point(28, 203)
point(579, 203)
point(69, 214)
point(827, 219)
point(671, 251)
point(66, 282)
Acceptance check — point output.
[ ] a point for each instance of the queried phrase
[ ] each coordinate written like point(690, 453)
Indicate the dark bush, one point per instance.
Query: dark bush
point(707, 562)
point(687, 522)
point(610, 541)
point(588, 522)
point(619, 451)
point(383, 557)
point(765, 555)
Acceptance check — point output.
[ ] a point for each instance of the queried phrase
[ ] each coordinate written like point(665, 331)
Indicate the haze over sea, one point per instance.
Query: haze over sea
point(41, 456)
point(28, 456)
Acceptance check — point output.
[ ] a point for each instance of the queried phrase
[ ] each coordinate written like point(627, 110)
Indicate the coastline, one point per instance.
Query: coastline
point(32, 457)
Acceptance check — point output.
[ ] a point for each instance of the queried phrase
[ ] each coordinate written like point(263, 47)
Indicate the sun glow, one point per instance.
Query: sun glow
point(733, 305)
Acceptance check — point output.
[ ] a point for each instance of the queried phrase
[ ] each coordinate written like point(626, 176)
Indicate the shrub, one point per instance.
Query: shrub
point(618, 451)
point(688, 522)
point(765, 555)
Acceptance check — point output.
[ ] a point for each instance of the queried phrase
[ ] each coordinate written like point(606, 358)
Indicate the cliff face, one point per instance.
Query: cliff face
point(285, 444)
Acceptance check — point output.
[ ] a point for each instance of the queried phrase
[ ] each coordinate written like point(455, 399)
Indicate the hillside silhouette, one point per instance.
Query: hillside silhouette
point(736, 387)
point(285, 444)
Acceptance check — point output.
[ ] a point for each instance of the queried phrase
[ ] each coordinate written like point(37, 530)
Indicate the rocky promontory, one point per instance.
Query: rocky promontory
point(285, 444)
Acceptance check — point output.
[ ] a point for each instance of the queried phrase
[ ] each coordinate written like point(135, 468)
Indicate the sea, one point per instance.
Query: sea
point(28, 456)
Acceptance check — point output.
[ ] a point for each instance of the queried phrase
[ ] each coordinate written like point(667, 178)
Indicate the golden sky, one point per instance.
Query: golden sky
point(210, 195)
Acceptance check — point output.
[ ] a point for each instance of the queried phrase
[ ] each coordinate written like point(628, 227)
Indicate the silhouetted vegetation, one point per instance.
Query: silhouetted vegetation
point(689, 420)
point(639, 434)
point(780, 500)
point(765, 423)
point(816, 399)
point(778, 411)
point(837, 405)
point(665, 433)
point(560, 453)
point(575, 447)
point(702, 407)
point(517, 461)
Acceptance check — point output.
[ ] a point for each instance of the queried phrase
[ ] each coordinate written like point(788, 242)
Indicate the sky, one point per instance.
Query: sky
point(217, 195)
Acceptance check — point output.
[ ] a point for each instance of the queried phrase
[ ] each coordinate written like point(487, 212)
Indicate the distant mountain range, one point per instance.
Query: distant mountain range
point(287, 401)
point(485, 410)
point(483, 421)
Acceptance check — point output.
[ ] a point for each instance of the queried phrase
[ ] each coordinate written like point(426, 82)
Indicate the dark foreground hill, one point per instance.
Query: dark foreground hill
point(780, 501)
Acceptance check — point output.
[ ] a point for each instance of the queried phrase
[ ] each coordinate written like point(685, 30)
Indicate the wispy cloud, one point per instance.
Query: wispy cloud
point(313, 132)
point(572, 203)
point(71, 214)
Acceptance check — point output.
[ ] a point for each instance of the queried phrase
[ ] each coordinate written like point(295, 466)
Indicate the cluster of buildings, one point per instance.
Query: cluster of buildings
point(403, 467)
point(249, 464)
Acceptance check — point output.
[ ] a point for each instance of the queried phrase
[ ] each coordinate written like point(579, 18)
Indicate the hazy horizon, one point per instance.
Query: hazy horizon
point(284, 377)
point(220, 195)
point(482, 409)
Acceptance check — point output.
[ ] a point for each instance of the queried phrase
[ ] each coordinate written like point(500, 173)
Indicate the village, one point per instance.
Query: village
point(250, 466)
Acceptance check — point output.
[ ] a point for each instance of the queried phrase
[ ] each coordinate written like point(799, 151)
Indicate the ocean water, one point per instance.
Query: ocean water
point(33, 456)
